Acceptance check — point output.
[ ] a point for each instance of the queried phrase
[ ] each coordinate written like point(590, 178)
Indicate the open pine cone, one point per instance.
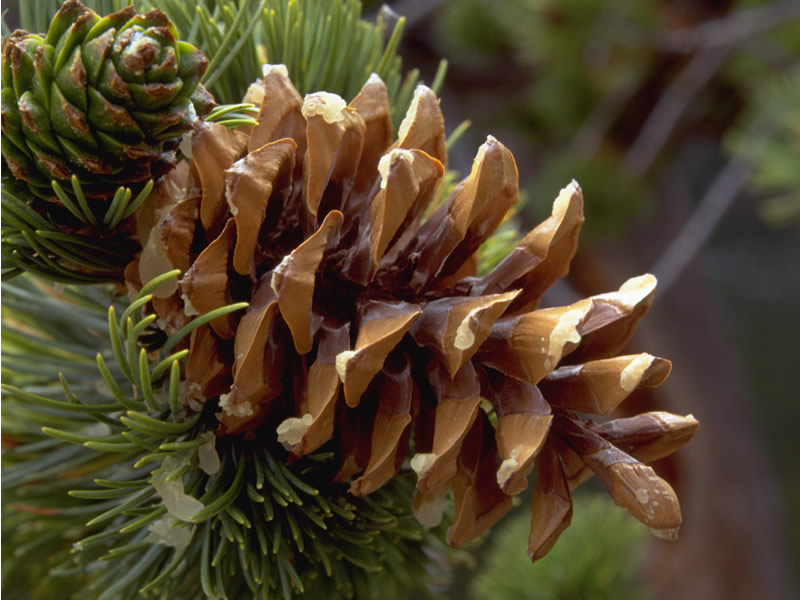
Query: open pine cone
point(368, 326)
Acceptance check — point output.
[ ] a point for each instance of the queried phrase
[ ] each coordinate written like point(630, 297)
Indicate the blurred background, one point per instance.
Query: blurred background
point(681, 121)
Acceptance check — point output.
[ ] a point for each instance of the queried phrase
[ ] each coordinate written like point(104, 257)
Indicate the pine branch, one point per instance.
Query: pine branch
point(701, 224)
point(164, 511)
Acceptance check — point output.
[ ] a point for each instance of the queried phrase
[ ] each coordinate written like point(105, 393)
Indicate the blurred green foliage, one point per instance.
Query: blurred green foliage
point(587, 74)
point(572, 47)
point(598, 556)
point(612, 197)
point(572, 61)
point(769, 138)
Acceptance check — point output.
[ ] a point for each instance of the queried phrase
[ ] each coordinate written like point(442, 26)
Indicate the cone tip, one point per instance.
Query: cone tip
point(327, 105)
point(279, 69)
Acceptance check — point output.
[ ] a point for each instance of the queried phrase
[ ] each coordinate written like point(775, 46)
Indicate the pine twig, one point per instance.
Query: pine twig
point(701, 224)
point(670, 107)
point(731, 29)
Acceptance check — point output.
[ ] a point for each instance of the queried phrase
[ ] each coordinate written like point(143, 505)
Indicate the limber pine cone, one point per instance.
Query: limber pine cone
point(367, 324)
point(104, 99)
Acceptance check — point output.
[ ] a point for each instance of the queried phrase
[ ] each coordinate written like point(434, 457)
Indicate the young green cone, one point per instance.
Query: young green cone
point(105, 99)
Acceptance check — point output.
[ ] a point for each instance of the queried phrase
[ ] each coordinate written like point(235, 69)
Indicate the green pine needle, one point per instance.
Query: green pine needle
point(35, 240)
point(768, 137)
point(592, 559)
point(104, 485)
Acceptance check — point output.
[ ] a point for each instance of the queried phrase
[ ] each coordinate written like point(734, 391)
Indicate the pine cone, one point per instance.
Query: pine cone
point(368, 325)
point(104, 99)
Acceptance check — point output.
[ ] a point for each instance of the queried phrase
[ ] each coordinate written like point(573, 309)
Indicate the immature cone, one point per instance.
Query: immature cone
point(104, 99)
point(367, 323)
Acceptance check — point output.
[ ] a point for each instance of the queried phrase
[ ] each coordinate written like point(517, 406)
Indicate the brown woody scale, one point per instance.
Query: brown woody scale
point(367, 323)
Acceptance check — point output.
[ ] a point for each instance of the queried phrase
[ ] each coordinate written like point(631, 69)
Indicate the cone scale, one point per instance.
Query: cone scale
point(368, 325)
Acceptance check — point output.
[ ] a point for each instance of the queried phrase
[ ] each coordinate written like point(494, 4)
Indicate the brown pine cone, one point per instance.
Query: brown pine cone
point(369, 328)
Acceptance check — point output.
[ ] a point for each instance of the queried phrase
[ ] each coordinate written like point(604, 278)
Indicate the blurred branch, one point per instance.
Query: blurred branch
point(752, 155)
point(702, 223)
point(670, 107)
point(731, 29)
point(594, 128)
point(713, 41)
point(413, 10)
